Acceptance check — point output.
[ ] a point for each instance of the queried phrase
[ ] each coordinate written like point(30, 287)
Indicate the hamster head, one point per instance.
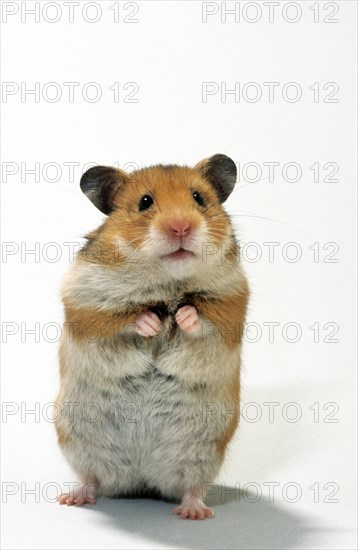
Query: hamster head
point(170, 216)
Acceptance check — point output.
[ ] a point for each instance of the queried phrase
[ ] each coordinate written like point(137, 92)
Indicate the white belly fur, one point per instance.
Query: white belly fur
point(149, 426)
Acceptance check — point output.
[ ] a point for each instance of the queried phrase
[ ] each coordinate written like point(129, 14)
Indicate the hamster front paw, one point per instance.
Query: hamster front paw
point(147, 324)
point(188, 319)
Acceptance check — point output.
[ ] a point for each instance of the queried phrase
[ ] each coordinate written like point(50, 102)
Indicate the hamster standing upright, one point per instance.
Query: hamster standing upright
point(154, 304)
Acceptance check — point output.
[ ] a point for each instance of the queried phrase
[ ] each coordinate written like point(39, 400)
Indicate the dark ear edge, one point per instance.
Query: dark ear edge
point(100, 185)
point(221, 172)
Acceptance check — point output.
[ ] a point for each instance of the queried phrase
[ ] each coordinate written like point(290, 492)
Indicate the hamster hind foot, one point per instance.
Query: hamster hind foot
point(192, 507)
point(84, 494)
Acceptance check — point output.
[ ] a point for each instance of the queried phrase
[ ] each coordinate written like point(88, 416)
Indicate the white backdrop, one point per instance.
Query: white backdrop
point(135, 83)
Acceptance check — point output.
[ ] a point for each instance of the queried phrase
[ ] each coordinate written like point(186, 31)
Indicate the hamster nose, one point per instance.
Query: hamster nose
point(180, 227)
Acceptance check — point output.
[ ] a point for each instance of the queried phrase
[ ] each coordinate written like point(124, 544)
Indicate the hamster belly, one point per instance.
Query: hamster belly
point(135, 426)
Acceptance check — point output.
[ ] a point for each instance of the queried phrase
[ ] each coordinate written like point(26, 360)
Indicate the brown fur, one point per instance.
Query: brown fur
point(231, 408)
point(88, 323)
point(62, 435)
point(228, 315)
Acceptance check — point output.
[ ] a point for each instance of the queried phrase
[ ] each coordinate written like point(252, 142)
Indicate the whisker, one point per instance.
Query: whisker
point(210, 206)
point(145, 214)
point(218, 218)
point(270, 219)
point(156, 200)
point(250, 183)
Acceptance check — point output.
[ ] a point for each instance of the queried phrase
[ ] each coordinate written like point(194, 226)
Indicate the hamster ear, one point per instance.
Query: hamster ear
point(100, 185)
point(221, 172)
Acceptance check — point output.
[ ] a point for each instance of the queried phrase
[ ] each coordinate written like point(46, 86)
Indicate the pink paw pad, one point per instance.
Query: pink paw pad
point(147, 324)
point(188, 319)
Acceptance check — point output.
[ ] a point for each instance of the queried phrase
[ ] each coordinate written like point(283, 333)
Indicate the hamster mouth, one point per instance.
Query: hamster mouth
point(180, 254)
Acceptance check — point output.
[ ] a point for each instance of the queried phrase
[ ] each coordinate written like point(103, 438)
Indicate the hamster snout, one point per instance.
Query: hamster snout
point(180, 227)
point(177, 236)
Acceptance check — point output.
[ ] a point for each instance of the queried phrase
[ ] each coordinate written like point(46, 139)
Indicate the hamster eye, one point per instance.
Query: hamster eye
point(198, 198)
point(145, 203)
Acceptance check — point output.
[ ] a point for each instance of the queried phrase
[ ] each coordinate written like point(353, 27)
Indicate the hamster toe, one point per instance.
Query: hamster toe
point(193, 508)
point(147, 324)
point(188, 319)
point(85, 494)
